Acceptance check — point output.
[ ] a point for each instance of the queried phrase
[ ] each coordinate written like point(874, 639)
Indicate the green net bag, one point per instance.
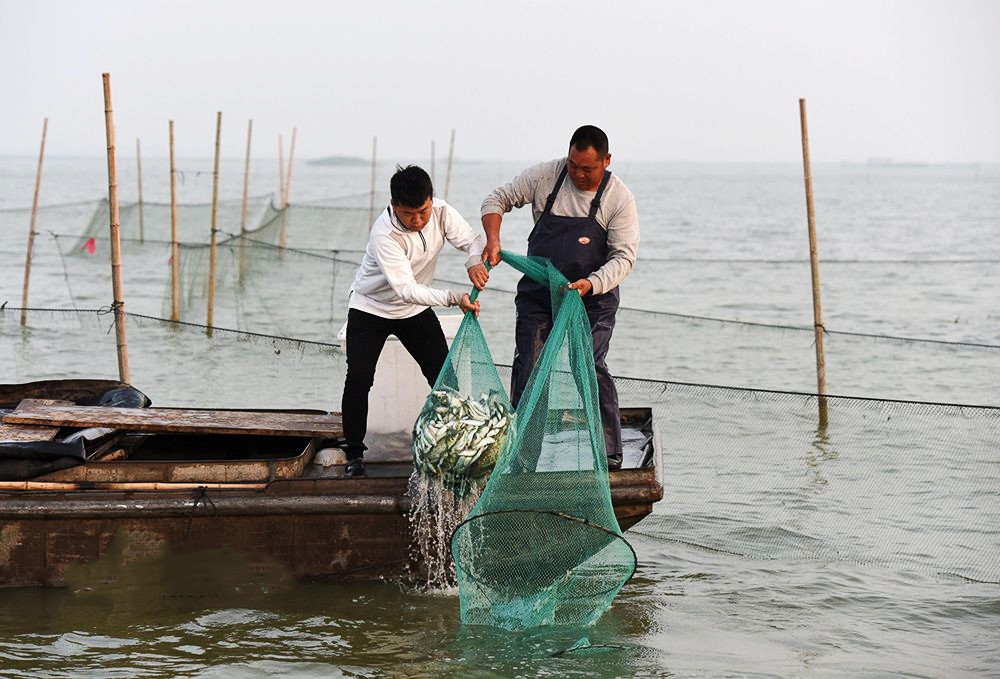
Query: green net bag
point(542, 546)
point(457, 438)
point(463, 424)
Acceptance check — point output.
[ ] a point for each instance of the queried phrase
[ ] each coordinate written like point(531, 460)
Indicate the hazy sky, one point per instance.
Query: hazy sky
point(697, 80)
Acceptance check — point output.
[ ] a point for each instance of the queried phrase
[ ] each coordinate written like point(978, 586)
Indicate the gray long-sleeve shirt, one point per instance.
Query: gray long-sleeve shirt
point(617, 214)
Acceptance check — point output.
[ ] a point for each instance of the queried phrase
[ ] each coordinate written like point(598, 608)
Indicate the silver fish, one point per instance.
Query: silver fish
point(458, 436)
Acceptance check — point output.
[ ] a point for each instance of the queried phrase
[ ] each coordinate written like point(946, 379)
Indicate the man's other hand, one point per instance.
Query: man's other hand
point(465, 304)
point(478, 274)
point(583, 286)
point(491, 253)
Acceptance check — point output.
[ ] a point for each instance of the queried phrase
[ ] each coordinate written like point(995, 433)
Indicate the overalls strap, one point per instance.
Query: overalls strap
point(595, 204)
point(550, 201)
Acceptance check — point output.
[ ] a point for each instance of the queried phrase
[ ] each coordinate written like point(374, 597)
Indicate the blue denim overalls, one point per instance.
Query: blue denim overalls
point(577, 246)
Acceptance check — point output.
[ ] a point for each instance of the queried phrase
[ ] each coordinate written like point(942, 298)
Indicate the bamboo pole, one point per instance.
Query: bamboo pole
point(243, 212)
point(371, 202)
point(215, 211)
point(138, 162)
point(284, 196)
point(116, 254)
point(246, 180)
point(814, 266)
point(288, 175)
point(281, 169)
point(31, 227)
point(175, 250)
point(451, 154)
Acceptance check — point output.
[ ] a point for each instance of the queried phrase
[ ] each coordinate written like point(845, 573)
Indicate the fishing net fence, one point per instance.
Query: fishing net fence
point(304, 224)
point(900, 484)
point(303, 293)
point(301, 290)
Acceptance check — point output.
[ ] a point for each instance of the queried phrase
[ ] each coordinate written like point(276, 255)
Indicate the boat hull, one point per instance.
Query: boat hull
point(307, 529)
point(243, 486)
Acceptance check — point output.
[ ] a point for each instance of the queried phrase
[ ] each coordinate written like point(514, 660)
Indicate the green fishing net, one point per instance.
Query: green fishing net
point(457, 438)
point(464, 422)
point(542, 546)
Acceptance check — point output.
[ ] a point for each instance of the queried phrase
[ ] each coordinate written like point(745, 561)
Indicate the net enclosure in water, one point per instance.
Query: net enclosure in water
point(542, 545)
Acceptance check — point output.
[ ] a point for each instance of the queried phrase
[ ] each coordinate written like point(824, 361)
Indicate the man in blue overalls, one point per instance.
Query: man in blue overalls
point(589, 228)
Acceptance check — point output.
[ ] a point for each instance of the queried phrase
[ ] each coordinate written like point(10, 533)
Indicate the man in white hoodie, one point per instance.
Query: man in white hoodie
point(391, 294)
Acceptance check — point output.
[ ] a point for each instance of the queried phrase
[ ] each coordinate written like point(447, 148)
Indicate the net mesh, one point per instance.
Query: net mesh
point(466, 418)
point(901, 484)
point(904, 485)
point(897, 484)
point(265, 288)
point(542, 546)
point(457, 439)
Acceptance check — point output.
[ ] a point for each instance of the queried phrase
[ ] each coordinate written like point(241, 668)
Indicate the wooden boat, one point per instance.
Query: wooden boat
point(170, 481)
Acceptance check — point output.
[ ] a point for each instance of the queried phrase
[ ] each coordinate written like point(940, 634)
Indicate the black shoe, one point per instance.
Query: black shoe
point(355, 467)
point(614, 462)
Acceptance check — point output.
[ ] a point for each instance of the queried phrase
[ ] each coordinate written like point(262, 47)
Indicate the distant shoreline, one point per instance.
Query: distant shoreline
point(338, 161)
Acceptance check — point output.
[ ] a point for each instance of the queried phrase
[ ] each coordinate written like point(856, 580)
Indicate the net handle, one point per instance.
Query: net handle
point(474, 295)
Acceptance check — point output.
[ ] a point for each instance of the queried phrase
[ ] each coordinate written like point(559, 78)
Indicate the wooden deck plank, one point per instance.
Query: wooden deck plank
point(23, 432)
point(264, 423)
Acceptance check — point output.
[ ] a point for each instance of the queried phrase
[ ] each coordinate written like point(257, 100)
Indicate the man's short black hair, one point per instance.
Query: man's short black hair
point(410, 186)
point(589, 136)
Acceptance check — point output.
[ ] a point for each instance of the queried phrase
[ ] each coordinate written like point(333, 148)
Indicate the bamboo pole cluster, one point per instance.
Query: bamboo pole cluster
point(118, 304)
point(284, 192)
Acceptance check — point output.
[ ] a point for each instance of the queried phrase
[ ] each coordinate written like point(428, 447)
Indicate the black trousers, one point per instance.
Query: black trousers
point(534, 323)
point(421, 336)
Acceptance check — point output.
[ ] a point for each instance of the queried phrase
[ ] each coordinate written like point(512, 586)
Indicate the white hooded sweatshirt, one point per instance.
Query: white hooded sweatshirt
point(393, 280)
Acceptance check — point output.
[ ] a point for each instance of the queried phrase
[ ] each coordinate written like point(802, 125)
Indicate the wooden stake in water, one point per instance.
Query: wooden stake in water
point(451, 155)
point(283, 236)
point(288, 174)
point(116, 254)
point(215, 211)
point(281, 170)
point(175, 249)
point(31, 227)
point(814, 265)
point(138, 163)
point(371, 202)
point(243, 211)
point(246, 180)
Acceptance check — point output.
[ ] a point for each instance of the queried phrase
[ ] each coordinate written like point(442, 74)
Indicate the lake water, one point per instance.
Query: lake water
point(868, 548)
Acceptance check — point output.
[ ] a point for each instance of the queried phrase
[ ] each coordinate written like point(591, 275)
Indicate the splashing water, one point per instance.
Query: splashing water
point(437, 507)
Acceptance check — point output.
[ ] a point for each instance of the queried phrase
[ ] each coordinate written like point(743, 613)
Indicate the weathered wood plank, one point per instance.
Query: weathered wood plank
point(21, 432)
point(264, 423)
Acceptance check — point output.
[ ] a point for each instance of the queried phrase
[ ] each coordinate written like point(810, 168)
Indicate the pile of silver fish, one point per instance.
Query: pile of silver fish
point(457, 436)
